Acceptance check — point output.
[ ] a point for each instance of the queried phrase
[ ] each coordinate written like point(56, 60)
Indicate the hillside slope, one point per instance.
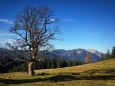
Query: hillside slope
point(94, 74)
point(105, 64)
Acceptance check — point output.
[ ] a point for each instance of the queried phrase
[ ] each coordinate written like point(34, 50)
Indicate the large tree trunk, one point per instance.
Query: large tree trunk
point(31, 68)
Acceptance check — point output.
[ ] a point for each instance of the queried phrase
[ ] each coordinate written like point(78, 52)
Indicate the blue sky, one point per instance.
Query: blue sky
point(88, 24)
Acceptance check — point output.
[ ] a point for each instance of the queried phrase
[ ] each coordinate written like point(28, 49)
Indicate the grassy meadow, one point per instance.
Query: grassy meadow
point(101, 73)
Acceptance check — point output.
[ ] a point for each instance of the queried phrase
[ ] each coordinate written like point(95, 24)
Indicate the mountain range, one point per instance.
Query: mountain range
point(75, 54)
point(79, 54)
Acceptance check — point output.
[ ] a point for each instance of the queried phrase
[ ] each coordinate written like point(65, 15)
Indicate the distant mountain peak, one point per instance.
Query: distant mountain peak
point(92, 50)
point(75, 54)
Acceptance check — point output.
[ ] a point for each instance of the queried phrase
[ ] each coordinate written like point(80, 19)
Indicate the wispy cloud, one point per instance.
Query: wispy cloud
point(52, 19)
point(69, 20)
point(6, 21)
point(4, 41)
point(7, 34)
point(6, 37)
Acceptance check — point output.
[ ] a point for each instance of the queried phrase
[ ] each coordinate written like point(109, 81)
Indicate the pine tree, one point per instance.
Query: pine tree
point(108, 55)
point(58, 64)
point(52, 64)
point(48, 64)
point(108, 52)
point(113, 52)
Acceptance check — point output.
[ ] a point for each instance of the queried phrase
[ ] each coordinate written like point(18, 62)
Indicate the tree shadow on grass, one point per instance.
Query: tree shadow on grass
point(57, 78)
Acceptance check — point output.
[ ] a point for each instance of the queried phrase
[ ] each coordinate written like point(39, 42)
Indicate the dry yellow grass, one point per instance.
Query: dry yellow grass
point(105, 64)
point(69, 76)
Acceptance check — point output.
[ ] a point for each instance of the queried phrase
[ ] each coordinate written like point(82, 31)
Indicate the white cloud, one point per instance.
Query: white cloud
point(7, 34)
point(4, 41)
point(52, 19)
point(69, 20)
point(6, 21)
point(6, 37)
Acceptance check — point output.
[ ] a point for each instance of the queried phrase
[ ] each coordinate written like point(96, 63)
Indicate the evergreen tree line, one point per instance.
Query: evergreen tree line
point(43, 64)
point(56, 63)
point(14, 67)
point(109, 54)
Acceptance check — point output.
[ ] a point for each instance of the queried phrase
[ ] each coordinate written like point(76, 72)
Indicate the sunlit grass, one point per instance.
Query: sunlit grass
point(94, 74)
point(106, 64)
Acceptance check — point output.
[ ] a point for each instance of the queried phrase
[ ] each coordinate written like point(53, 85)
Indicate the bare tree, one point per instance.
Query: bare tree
point(32, 26)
